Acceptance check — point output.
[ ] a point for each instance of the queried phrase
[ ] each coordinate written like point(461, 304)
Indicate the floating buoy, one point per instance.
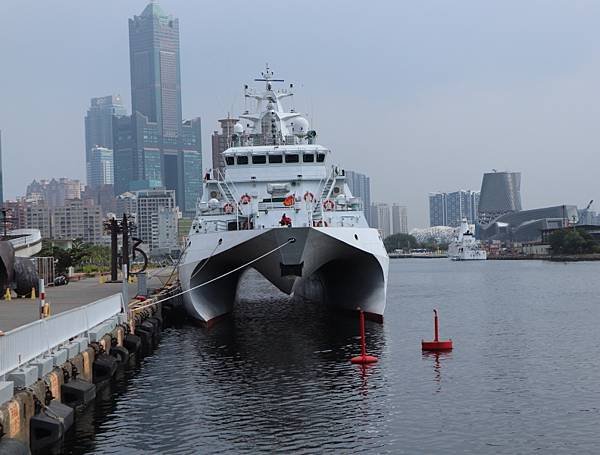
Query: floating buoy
point(436, 344)
point(363, 357)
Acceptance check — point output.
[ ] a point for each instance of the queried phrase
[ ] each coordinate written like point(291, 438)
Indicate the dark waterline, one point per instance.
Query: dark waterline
point(523, 376)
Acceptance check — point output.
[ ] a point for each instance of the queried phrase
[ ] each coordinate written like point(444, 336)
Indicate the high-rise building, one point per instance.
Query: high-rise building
point(54, 192)
point(360, 186)
point(500, 194)
point(448, 209)
point(399, 219)
point(437, 209)
point(101, 167)
point(155, 73)
point(221, 141)
point(381, 218)
point(157, 216)
point(154, 148)
point(99, 125)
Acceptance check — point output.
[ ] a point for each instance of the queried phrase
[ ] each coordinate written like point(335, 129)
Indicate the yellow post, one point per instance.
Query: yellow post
point(101, 279)
point(8, 294)
point(33, 297)
point(46, 310)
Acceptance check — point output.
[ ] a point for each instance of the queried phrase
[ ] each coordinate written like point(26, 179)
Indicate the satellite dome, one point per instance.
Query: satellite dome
point(299, 126)
point(213, 203)
point(238, 128)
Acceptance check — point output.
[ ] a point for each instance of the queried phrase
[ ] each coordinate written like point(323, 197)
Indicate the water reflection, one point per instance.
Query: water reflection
point(437, 359)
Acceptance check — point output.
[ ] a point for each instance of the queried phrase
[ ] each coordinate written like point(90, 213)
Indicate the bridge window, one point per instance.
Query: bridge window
point(229, 160)
point(275, 159)
point(308, 158)
point(259, 159)
point(320, 157)
point(292, 158)
point(242, 159)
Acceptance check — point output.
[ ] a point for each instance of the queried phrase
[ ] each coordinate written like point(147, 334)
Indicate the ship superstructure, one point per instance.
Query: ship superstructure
point(464, 246)
point(280, 191)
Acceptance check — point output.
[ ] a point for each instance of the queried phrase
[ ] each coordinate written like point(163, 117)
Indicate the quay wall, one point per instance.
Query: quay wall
point(138, 336)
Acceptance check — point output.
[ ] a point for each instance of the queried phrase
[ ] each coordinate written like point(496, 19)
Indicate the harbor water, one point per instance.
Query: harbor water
point(276, 376)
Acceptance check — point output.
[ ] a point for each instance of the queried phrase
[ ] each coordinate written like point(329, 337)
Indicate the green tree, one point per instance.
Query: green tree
point(399, 242)
point(572, 241)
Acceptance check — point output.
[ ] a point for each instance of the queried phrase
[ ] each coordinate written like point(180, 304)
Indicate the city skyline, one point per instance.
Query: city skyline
point(470, 101)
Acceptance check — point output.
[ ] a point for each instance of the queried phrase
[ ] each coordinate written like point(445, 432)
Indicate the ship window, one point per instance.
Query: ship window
point(320, 157)
point(308, 158)
point(242, 160)
point(229, 160)
point(292, 158)
point(275, 159)
point(259, 159)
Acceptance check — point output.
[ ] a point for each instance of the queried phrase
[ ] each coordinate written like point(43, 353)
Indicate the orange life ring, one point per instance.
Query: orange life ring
point(328, 205)
point(228, 208)
point(289, 200)
point(245, 199)
point(309, 197)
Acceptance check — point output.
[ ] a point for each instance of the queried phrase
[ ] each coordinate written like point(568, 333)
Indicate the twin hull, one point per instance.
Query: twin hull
point(341, 266)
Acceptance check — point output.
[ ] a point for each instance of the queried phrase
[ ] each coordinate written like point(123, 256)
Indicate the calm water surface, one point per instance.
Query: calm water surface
point(524, 376)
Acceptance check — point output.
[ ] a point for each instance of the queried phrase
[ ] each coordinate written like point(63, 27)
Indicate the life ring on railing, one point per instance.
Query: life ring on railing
point(245, 199)
point(328, 205)
point(228, 208)
point(289, 200)
point(309, 197)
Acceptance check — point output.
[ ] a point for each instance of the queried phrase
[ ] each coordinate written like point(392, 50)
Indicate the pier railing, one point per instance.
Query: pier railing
point(32, 340)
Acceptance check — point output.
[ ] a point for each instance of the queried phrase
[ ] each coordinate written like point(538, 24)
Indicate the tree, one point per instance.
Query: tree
point(399, 242)
point(77, 256)
point(572, 241)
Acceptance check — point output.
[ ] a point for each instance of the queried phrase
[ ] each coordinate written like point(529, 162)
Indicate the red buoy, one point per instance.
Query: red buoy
point(436, 344)
point(363, 357)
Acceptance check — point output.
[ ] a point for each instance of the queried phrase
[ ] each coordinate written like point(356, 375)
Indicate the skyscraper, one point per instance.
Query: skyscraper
point(360, 186)
point(99, 125)
point(101, 167)
point(155, 73)
point(399, 219)
point(448, 209)
point(154, 147)
point(500, 194)
point(381, 218)
point(437, 209)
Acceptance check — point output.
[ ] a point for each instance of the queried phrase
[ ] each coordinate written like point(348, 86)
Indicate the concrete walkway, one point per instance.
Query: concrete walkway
point(18, 312)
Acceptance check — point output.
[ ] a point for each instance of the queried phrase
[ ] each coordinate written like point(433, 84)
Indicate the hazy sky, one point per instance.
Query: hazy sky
point(422, 96)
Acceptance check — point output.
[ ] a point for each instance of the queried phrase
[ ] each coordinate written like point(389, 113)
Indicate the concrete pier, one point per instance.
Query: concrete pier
point(18, 312)
point(68, 376)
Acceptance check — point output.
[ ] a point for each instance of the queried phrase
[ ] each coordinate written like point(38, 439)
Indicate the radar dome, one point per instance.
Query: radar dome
point(238, 128)
point(299, 126)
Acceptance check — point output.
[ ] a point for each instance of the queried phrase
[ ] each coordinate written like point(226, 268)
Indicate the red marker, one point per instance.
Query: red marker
point(436, 344)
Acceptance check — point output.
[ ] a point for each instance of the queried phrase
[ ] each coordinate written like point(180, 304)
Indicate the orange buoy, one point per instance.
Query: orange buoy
point(363, 357)
point(436, 344)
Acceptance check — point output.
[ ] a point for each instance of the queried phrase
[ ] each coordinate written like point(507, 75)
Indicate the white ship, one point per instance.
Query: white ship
point(283, 208)
point(465, 247)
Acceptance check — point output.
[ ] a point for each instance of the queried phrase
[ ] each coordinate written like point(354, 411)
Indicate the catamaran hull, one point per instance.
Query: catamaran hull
point(340, 266)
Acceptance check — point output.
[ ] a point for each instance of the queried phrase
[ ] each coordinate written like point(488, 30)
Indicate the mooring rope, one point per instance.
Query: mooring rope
point(212, 280)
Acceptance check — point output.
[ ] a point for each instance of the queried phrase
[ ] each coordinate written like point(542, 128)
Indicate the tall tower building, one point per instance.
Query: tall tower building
point(360, 186)
point(500, 194)
point(399, 219)
point(99, 125)
point(155, 148)
point(381, 218)
point(437, 209)
point(155, 73)
point(448, 209)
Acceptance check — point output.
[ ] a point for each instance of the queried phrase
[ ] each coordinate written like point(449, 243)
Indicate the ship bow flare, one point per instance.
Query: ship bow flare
point(345, 268)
